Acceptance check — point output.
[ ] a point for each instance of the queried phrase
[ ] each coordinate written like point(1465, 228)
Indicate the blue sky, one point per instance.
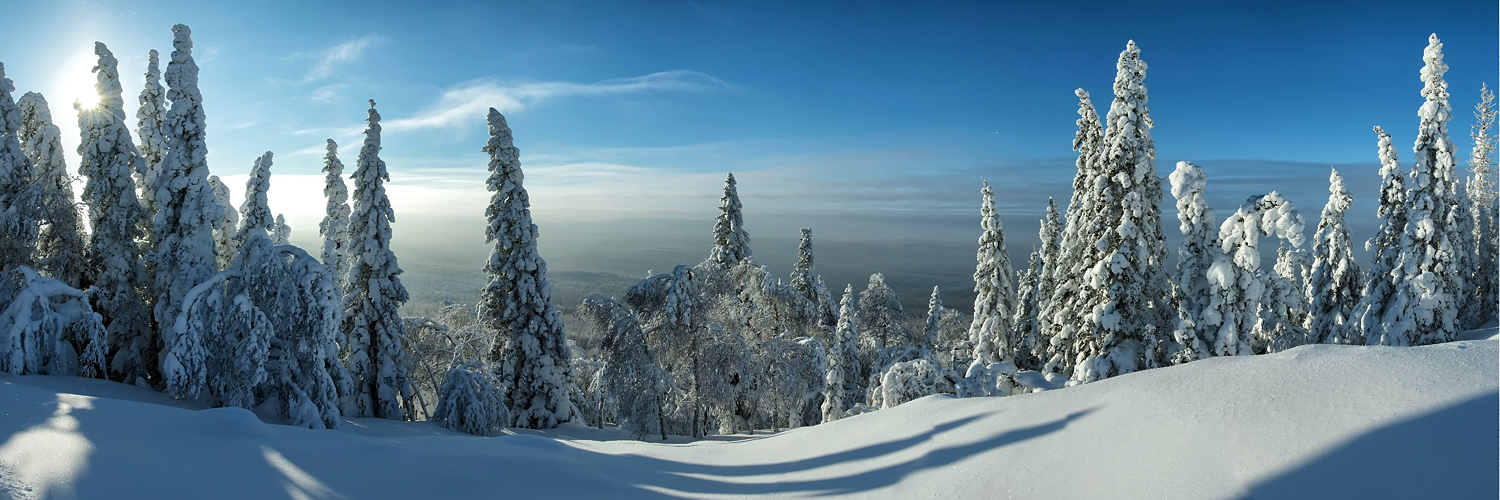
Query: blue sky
point(873, 120)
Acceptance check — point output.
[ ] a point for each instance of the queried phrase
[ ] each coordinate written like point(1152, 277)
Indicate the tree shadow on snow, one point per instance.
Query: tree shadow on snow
point(691, 479)
point(1449, 453)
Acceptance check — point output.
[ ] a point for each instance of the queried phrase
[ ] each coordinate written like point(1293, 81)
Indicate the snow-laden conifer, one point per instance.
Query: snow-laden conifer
point(810, 285)
point(882, 326)
point(1237, 282)
point(1047, 258)
point(731, 242)
point(1384, 248)
point(374, 294)
point(1335, 282)
point(994, 287)
point(633, 380)
point(1062, 312)
point(183, 209)
point(1423, 307)
point(255, 211)
point(281, 232)
point(19, 222)
point(151, 115)
point(226, 237)
point(531, 348)
point(1200, 245)
point(1027, 303)
point(108, 158)
point(60, 245)
point(47, 327)
point(842, 381)
point(471, 400)
point(1283, 305)
point(335, 226)
point(1125, 291)
point(1483, 193)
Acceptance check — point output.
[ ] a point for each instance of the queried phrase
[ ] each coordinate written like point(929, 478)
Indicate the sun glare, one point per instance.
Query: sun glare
point(87, 98)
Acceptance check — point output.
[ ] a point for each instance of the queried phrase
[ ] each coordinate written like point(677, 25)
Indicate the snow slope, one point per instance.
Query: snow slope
point(1313, 422)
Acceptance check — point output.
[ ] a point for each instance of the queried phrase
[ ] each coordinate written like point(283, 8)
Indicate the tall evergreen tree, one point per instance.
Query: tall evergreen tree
point(1027, 301)
point(1048, 254)
point(843, 362)
point(1484, 208)
point(992, 331)
point(1200, 245)
point(60, 245)
point(517, 303)
point(1062, 313)
point(184, 210)
point(1423, 307)
point(226, 240)
point(731, 242)
point(151, 116)
point(810, 285)
point(108, 158)
point(18, 213)
point(1384, 248)
point(335, 226)
point(1335, 282)
point(255, 211)
point(281, 232)
point(372, 301)
point(1237, 282)
point(1126, 290)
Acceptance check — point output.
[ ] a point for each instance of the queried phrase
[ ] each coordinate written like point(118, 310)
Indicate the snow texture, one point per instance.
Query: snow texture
point(531, 348)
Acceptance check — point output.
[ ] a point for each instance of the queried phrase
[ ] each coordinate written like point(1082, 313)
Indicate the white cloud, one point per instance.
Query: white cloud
point(328, 94)
point(467, 102)
point(341, 53)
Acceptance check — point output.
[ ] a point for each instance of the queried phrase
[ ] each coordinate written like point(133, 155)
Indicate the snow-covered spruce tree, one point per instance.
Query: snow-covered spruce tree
point(1483, 202)
point(790, 375)
point(1200, 245)
point(633, 380)
point(281, 233)
point(884, 337)
point(184, 211)
point(932, 328)
point(1384, 248)
point(1335, 281)
point(335, 226)
point(1027, 303)
point(1062, 312)
point(255, 212)
point(19, 215)
point(471, 400)
point(151, 116)
point(731, 242)
point(1046, 283)
point(1283, 305)
point(530, 347)
point(1237, 283)
point(843, 359)
point(811, 285)
point(1125, 292)
point(108, 159)
point(60, 245)
point(1423, 307)
point(994, 288)
point(373, 293)
point(226, 242)
point(47, 327)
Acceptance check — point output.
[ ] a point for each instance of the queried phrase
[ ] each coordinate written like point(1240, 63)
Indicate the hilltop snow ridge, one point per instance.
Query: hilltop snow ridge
point(1317, 421)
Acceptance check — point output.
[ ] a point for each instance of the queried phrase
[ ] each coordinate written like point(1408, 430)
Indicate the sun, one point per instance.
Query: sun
point(86, 98)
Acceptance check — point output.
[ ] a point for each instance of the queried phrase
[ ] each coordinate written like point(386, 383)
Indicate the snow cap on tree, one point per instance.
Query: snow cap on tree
point(532, 351)
point(731, 242)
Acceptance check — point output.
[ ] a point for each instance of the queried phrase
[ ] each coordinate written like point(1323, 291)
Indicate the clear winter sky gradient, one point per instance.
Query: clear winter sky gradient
point(871, 122)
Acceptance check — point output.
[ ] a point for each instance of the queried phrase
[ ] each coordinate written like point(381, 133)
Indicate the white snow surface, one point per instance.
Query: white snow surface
point(1317, 421)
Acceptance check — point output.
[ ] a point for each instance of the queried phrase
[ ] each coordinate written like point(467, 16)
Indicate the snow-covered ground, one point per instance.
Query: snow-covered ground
point(1314, 422)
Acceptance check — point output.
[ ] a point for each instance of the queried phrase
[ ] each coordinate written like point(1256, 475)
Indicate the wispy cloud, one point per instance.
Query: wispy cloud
point(330, 57)
point(328, 94)
point(467, 102)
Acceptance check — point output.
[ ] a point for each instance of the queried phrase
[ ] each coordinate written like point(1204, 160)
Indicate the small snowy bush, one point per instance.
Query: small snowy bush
point(909, 380)
point(472, 401)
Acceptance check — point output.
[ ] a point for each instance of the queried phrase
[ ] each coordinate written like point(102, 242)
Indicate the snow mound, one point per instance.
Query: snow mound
point(1311, 422)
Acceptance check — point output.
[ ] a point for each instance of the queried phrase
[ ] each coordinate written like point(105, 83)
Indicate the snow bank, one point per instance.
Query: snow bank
point(1316, 421)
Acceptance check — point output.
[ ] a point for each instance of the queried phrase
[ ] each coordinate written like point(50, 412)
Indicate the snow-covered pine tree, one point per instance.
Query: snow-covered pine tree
point(255, 211)
point(1384, 248)
point(1335, 281)
point(1046, 283)
point(184, 211)
point(226, 242)
point(60, 245)
point(731, 242)
point(108, 158)
point(47, 327)
point(151, 116)
point(1283, 305)
point(1027, 302)
point(531, 347)
point(1423, 307)
point(281, 233)
point(1125, 292)
point(932, 328)
point(1200, 245)
point(633, 380)
point(19, 215)
point(882, 326)
point(842, 381)
point(1237, 283)
point(374, 294)
point(1483, 202)
point(810, 285)
point(335, 226)
point(1062, 312)
point(994, 301)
